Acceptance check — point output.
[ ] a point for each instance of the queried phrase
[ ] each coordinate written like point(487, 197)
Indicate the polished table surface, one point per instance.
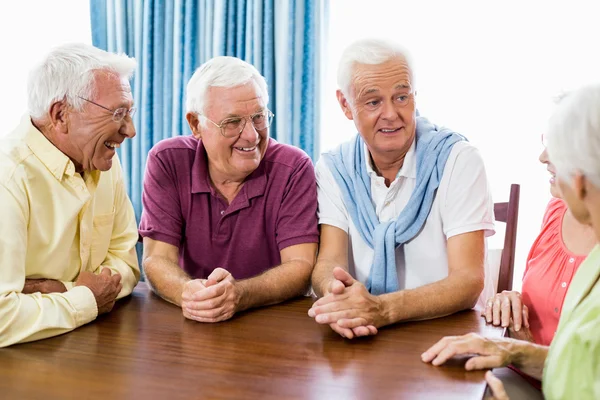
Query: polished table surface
point(145, 349)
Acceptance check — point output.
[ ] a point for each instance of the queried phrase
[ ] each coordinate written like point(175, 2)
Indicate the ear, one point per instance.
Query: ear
point(58, 115)
point(580, 186)
point(194, 123)
point(344, 104)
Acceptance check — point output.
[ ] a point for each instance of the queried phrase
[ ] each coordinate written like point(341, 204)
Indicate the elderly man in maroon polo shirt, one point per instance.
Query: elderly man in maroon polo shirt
point(230, 215)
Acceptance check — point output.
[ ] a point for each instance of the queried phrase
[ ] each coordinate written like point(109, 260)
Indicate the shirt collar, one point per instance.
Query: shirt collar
point(255, 184)
point(55, 160)
point(409, 167)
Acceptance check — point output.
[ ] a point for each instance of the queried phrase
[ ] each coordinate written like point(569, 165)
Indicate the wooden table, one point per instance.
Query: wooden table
point(145, 349)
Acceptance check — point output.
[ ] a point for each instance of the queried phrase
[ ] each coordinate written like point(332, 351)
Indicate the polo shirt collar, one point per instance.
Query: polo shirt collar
point(254, 185)
point(409, 167)
point(55, 160)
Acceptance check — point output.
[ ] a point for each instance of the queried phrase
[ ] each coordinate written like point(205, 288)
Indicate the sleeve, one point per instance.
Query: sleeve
point(121, 256)
point(297, 217)
point(467, 204)
point(332, 210)
point(28, 317)
point(162, 218)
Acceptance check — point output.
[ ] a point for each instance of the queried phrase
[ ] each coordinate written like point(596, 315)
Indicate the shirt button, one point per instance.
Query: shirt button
point(571, 260)
point(564, 284)
point(555, 309)
point(222, 212)
point(387, 203)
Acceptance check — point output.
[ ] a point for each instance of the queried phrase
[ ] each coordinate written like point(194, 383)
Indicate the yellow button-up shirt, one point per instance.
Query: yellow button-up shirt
point(55, 223)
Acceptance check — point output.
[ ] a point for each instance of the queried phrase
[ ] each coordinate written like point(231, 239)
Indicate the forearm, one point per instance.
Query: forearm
point(28, 317)
point(166, 278)
point(322, 275)
point(127, 267)
point(283, 282)
point(529, 357)
point(435, 300)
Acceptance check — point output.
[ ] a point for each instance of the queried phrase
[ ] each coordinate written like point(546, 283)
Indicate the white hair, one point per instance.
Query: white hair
point(369, 51)
point(67, 72)
point(574, 134)
point(221, 71)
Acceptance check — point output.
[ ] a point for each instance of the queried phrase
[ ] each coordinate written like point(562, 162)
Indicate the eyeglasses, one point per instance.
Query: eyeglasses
point(232, 127)
point(118, 114)
point(544, 141)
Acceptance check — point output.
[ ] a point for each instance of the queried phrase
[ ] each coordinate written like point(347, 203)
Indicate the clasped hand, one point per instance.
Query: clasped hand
point(348, 307)
point(211, 300)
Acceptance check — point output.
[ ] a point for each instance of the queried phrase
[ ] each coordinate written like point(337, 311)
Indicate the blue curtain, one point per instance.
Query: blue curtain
point(171, 38)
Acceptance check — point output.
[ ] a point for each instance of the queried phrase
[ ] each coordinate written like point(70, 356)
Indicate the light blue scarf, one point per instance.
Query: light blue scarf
point(349, 169)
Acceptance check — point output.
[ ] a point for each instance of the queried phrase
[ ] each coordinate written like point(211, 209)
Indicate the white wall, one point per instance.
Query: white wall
point(489, 71)
point(54, 22)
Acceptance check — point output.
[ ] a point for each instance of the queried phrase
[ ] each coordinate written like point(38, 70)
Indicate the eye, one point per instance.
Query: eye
point(373, 103)
point(232, 123)
point(258, 118)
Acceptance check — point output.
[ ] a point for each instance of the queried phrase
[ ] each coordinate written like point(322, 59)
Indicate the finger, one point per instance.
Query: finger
point(526, 316)
point(116, 278)
point(218, 274)
point(211, 315)
point(191, 287)
point(467, 344)
point(343, 332)
point(208, 304)
point(336, 287)
point(352, 323)
point(496, 386)
point(496, 311)
point(483, 362)
point(434, 350)
point(328, 308)
point(505, 313)
point(331, 298)
point(210, 282)
point(372, 329)
point(119, 288)
point(105, 271)
point(517, 313)
point(361, 331)
point(488, 310)
point(344, 276)
point(330, 318)
point(210, 292)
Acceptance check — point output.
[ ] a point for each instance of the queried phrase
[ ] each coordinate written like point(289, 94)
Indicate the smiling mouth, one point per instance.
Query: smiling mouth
point(246, 149)
point(112, 145)
point(389, 130)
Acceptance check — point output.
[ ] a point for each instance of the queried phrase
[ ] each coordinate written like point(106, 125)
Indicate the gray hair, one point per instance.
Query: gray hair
point(369, 51)
point(221, 71)
point(574, 134)
point(67, 72)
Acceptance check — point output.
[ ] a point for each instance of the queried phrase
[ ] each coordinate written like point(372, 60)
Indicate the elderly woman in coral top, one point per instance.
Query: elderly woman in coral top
point(570, 367)
point(559, 249)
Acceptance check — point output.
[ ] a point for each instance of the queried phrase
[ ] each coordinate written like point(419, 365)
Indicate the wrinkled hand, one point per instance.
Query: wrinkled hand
point(496, 387)
point(491, 353)
point(43, 286)
point(217, 301)
point(104, 287)
point(347, 306)
point(506, 309)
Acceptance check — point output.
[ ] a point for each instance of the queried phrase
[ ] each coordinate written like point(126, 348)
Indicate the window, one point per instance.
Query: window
point(490, 71)
point(28, 29)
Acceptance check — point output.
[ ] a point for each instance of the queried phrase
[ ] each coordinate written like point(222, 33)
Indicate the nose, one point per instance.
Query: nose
point(127, 128)
point(388, 111)
point(249, 133)
point(544, 157)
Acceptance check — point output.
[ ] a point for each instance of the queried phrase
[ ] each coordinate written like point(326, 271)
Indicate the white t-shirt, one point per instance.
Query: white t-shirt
point(463, 203)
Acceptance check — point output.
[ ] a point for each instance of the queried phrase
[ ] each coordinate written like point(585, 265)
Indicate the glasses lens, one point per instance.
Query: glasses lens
point(232, 127)
point(262, 121)
point(132, 111)
point(119, 114)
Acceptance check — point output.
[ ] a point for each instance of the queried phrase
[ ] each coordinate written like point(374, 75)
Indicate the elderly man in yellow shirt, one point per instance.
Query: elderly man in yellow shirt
point(68, 231)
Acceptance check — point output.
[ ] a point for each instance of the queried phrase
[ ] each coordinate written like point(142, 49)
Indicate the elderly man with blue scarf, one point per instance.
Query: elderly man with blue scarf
point(404, 206)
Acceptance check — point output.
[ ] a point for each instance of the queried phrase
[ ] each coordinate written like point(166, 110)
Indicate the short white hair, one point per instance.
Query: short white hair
point(222, 71)
point(369, 51)
point(67, 72)
point(574, 134)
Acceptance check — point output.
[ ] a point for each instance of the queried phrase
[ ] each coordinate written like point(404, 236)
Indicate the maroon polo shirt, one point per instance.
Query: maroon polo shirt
point(275, 208)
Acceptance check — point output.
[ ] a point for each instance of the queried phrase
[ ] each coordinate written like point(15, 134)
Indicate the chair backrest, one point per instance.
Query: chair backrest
point(509, 213)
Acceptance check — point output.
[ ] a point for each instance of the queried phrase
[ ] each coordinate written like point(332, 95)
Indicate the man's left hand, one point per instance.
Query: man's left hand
point(44, 286)
point(219, 301)
point(354, 309)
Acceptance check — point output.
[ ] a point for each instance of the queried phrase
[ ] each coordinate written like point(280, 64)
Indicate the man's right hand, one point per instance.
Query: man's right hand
point(340, 281)
point(104, 287)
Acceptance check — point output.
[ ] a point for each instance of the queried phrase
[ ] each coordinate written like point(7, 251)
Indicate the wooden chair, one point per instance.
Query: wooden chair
point(508, 213)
